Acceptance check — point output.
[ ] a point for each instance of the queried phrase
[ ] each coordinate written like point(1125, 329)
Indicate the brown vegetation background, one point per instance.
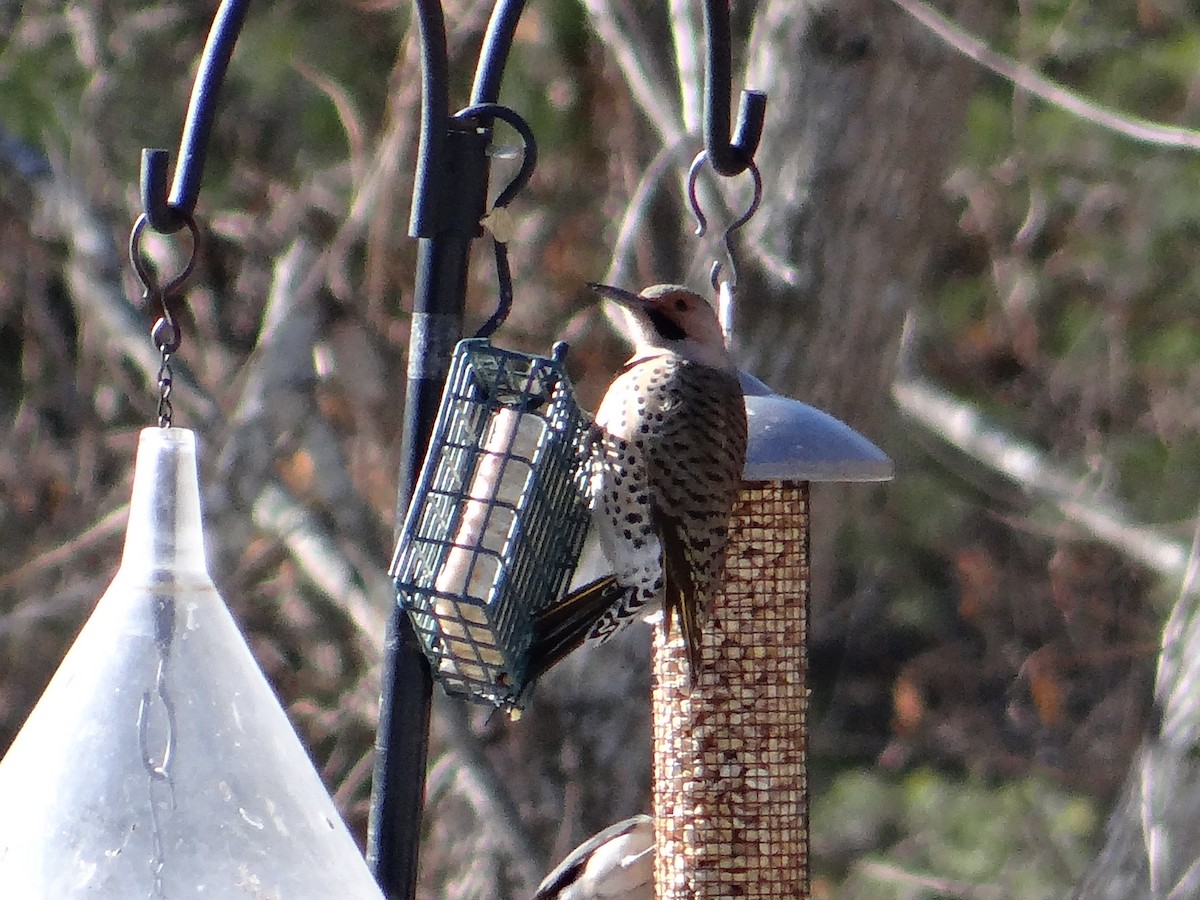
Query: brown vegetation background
point(997, 292)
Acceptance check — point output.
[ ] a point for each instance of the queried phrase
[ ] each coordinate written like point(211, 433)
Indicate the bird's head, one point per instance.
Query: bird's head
point(672, 318)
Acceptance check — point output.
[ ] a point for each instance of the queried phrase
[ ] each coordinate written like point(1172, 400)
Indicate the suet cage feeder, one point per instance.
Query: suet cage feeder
point(498, 518)
point(730, 776)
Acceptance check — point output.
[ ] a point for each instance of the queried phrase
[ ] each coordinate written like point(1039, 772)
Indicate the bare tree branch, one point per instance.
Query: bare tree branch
point(636, 58)
point(1055, 94)
point(961, 425)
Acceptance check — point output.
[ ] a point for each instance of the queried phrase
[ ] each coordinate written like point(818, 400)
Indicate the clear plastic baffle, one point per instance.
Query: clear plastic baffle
point(159, 762)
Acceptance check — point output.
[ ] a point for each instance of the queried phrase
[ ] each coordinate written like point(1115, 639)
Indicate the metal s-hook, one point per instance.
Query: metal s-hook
point(168, 214)
point(728, 157)
point(165, 333)
point(506, 196)
point(702, 222)
point(530, 154)
point(154, 290)
point(724, 287)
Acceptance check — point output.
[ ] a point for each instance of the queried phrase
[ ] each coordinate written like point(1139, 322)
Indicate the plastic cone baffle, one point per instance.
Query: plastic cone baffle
point(159, 763)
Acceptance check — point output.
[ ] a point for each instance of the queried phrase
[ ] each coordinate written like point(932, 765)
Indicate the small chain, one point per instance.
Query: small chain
point(165, 334)
point(164, 390)
point(166, 337)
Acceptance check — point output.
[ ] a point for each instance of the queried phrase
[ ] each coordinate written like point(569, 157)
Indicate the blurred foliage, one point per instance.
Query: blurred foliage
point(946, 834)
point(1064, 309)
point(977, 703)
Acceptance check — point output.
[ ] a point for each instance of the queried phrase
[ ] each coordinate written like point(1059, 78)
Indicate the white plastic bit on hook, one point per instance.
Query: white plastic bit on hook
point(725, 310)
point(500, 223)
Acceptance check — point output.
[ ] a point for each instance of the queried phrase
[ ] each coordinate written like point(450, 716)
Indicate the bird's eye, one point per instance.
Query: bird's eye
point(680, 305)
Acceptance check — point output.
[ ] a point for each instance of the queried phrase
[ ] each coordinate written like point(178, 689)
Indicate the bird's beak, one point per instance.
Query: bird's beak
point(628, 299)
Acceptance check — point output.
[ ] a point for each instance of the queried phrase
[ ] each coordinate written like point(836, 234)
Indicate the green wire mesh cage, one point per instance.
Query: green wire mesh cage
point(497, 520)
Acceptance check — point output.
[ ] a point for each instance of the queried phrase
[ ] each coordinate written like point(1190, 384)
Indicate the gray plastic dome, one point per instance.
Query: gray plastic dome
point(792, 441)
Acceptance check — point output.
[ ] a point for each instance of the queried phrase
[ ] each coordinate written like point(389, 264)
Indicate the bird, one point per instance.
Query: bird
point(667, 452)
point(616, 863)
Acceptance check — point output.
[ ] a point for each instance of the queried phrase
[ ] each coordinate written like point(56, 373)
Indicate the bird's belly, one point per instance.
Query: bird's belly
point(621, 515)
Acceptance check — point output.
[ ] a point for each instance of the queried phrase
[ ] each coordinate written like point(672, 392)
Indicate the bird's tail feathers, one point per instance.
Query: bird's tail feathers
point(560, 629)
point(679, 596)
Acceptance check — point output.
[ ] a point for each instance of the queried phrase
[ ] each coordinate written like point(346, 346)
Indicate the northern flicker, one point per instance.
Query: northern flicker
point(670, 445)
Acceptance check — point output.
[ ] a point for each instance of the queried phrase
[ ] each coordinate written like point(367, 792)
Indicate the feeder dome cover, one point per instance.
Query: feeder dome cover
point(792, 441)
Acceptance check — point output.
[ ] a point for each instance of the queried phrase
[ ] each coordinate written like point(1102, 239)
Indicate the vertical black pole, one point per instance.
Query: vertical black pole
point(402, 739)
point(449, 200)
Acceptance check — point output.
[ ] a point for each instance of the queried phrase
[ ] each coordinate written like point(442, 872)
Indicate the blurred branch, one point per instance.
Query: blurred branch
point(483, 785)
point(688, 39)
point(356, 590)
point(1055, 94)
point(1152, 845)
point(277, 419)
point(1152, 841)
point(80, 594)
point(943, 887)
point(104, 529)
point(670, 160)
point(961, 425)
point(635, 58)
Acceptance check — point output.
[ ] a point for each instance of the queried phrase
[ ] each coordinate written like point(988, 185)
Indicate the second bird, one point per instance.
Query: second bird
point(667, 461)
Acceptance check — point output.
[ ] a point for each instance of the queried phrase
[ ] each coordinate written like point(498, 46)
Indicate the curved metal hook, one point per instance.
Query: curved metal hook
point(728, 158)
point(530, 151)
point(168, 215)
point(702, 222)
point(504, 304)
point(145, 274)
point(162, 293)
point(506, 196)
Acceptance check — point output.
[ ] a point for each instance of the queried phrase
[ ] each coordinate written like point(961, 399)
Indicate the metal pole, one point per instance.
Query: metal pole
point(449, 200)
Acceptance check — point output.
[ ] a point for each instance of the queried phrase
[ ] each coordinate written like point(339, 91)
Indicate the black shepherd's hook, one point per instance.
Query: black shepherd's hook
point(727, 158)
point(449, 198)
point(168, 214)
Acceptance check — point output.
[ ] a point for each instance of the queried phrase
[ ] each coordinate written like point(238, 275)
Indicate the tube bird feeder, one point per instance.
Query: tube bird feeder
point(730, 770)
